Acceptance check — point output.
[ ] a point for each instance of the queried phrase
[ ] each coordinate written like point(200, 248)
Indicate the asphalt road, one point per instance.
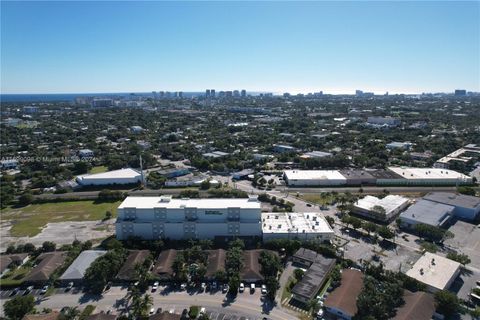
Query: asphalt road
point(247, 305)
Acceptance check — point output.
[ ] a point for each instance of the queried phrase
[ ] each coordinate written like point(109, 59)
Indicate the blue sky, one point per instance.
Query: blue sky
point(69, 47)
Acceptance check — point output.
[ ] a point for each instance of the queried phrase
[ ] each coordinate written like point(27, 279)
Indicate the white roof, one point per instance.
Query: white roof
point(294, 222)
point(434, 270)
point(428, 173)
point(80, 265)
point(170, 203)
point(121, 173)
point(314, 175)
point(389, 203)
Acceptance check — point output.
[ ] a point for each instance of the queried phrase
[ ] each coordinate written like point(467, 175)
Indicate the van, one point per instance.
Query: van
point(252, 288)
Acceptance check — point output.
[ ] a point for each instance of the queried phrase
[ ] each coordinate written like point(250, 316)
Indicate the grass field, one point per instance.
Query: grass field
point(318, 198)
point(98, 169)
point(15, 277)
point(29, 220)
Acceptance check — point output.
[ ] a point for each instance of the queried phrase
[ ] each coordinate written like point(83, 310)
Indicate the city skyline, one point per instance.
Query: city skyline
point(334, 47)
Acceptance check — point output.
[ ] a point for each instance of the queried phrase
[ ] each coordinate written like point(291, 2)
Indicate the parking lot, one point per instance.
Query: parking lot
point(466, 240)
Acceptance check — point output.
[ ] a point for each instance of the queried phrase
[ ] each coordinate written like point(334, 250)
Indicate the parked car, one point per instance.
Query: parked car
point(214, 285)
point(309, 205)
point(155, 286)
point(159, 310)
point(28, 290)
point(202, 310)
point(241, 288)
point(203, 286)
point(183, 286)
point(44, 290)
point(225, 288)
point(14, 291)
point(152, 310)
point(264, 289)
point(320, 314)
point(252, 288)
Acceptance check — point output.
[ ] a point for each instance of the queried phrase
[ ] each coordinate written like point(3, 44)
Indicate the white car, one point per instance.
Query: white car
point(242, 287)
point(202, 311)
point(44, 290)
point(69, 286)
point(264, 289)
point(252, 287)
point(152, 310)
point(183, 286)
point(155, 286)
point(203, 286)
point(320, 313)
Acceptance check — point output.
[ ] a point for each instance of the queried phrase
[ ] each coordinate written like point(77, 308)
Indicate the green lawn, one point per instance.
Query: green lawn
point(318, 198)
point(15, 277)
point(29, 220)
point(98, 169)
point(286, 291)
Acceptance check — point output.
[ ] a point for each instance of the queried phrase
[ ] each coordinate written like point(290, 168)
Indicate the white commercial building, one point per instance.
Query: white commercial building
point(432, 176)
point(294, 225)
point(437, 272)
point(164, 217)
point(370, 206)
point(121, 176)
point(314, 177)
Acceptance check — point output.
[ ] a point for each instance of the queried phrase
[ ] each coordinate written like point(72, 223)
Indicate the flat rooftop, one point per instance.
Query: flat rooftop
point(389, 203)
point(457, 200)
point(314, 175)
point(428, 212)
point(356, 174)
point(170, 203)
point(121, 173)
point(384, 174)
point(294, 222)
point(434, 270)
point(427, 173)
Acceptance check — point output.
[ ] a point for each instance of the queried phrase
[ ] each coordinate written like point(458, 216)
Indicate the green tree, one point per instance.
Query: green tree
point(385, 232)
point(234, 283)
point(19, 306)
point(140, 305)
point(69, 313)
point(221, 276)
point(103, 270)
point(459, 257)
point(25, 199)
point(330, 220)
point(48, 246)
point(298, 273)
point(447, 303)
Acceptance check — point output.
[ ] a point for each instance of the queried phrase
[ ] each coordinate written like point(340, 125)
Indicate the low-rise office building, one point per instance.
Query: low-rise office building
point(121, 176)
point(436, 272)
point(465, 207)
point(426, 212)
point(76, 271)
point(127, 271)
point(342, 302)
point(315, 277)
point(294, 225)
point(418, 305)
point(164, 217)
point(47, 264)
point(384, 209)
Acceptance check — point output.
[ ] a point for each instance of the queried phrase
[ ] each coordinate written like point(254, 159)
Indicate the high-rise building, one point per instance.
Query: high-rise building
point(358, 93)
point(180, 94)
point(244, 93)
point(207, 93)
point(460, 92)
point(228, 94)
point(212, 93)
point(236, 93)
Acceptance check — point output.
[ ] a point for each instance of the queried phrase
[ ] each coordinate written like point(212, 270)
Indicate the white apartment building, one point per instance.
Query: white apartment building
point(164, 217)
